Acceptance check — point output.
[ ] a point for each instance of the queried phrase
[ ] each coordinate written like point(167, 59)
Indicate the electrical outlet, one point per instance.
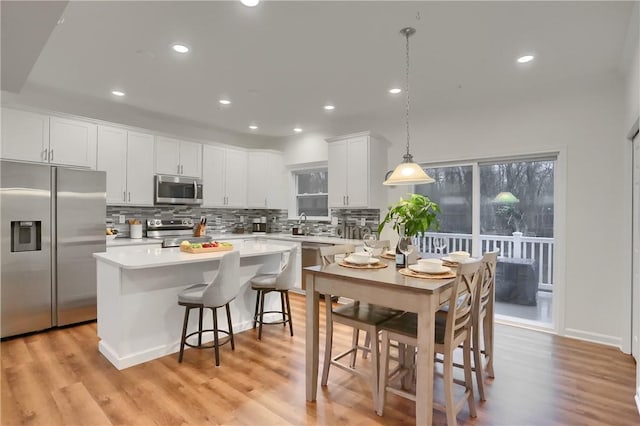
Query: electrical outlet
point(363, 221)
point(334, 220)
point(218, 221)
point(121, 218)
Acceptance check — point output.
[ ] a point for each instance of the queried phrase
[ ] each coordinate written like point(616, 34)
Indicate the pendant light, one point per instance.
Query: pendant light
point(408, 172)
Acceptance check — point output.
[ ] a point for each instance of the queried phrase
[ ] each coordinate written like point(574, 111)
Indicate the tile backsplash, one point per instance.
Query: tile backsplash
point(221, 220)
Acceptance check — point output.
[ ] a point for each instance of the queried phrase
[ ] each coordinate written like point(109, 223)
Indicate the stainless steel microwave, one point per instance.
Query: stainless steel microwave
point(177, 190)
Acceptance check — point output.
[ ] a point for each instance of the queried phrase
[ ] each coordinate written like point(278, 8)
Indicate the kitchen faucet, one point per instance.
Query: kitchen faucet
point(300, 218)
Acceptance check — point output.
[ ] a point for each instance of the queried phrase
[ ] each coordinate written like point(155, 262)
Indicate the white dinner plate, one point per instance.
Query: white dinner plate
point(369, 261)
point(450, 260)
point(419, 269)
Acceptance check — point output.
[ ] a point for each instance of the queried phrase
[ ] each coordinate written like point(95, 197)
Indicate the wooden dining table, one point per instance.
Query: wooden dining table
point(386, 287)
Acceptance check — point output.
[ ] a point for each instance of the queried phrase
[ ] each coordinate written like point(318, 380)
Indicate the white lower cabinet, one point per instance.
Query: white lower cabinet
point(224, 177)
point(267, 183)
point(127, 158)
point(28, 136)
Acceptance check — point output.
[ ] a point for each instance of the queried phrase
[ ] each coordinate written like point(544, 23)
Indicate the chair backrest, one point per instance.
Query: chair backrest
point(328, 253)
point(462, 297)
point(487, 280)
point(226, 284)
point(286, 279)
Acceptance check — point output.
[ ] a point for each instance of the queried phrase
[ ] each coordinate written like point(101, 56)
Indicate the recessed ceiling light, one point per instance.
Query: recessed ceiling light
point(297, 129)
point(180, 48)
point(117, 92)
point(250, 3)
point(224, 101)
point(395, 91)
point(329, 107)
point(525, 59)
point(253, 127)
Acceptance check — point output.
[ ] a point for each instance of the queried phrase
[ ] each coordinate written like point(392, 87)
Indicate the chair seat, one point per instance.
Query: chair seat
point(264, 281)
point(192, 294)
point(366, 313)
point(407, 325)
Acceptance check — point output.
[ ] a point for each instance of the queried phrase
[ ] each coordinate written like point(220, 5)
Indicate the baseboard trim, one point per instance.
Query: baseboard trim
point(603, 339)
point(122, 361)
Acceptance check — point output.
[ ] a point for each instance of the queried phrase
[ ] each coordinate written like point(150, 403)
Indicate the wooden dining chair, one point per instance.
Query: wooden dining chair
point(483, 316)
point(453, 331)
point(359, 316)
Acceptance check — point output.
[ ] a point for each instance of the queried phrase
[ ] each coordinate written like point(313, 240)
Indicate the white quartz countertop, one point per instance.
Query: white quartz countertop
point(125, 242)
point(153, 257)
point(289, 237)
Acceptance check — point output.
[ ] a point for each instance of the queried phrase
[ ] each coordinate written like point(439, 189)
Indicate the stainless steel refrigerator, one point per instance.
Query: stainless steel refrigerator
point(52, 220)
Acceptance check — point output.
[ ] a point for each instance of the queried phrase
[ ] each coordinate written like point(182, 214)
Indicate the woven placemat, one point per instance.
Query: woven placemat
point(388, 256)
point(378, 265)
point(409, 273)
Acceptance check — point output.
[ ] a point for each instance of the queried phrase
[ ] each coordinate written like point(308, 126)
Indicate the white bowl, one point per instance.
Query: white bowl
point(359, 258)
point(459, 256)
point(430, 265)
point(111, 237)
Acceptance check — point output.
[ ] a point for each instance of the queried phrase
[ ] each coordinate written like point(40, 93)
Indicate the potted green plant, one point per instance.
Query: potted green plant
point(412, 216)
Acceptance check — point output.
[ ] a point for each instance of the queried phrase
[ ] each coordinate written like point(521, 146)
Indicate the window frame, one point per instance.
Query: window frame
point(296, 170)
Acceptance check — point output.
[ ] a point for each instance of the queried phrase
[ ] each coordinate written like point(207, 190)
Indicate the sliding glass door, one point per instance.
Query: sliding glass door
point(513, 214)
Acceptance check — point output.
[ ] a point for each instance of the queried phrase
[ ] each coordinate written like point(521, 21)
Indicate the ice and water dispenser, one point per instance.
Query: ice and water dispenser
point(26, 235)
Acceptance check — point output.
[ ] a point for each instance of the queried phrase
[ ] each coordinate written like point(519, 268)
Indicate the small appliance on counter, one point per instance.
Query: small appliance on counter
point(259, 226)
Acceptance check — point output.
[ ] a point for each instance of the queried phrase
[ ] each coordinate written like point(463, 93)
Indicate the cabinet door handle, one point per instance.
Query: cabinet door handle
point(347, 200)
point(50, 155)
point(44, 155)
point(124, 195)
point(181, 169)
point(129, 197)
point(265, 202)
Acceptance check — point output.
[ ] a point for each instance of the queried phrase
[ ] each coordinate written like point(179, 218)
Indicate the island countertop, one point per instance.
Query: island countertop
point(152, 257)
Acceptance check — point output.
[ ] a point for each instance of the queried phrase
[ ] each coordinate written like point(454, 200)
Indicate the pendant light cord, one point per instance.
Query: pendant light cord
point(407, 34)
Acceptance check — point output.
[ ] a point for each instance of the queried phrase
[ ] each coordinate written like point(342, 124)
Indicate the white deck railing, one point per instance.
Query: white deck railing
point(514, 246)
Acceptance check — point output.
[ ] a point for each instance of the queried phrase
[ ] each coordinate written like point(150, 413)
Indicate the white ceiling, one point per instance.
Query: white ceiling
point(282, 61)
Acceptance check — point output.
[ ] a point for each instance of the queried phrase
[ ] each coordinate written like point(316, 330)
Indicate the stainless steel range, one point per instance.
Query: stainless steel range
point(173, 231)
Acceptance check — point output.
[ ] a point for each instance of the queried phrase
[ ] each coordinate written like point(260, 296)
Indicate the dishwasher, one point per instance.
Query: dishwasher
point(311, 255)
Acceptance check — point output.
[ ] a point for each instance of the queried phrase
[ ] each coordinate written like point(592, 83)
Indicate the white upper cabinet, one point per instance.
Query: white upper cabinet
point(224, 177)
point(112, 159)
point(72, 142)
point(140, 147)
point(357, 165)
point(127, 157)
point(267, 181)
point(39, 138)
point(25, 136)
point(176, 157)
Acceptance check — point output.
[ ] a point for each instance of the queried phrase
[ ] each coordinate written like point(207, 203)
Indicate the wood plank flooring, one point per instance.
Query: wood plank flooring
point(59, 378)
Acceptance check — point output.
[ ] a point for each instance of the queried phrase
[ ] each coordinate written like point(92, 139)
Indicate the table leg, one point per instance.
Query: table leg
point(424, 364)
point(312, 334)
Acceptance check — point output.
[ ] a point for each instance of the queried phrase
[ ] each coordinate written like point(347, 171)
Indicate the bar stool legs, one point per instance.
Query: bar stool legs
point(258, 315)
point(217, 342)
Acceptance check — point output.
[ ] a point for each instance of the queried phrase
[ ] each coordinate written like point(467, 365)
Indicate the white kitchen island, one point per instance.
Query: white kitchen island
point(139, 318)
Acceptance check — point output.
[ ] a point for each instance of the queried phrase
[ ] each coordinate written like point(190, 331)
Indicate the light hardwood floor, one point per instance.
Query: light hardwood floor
point(59, 378)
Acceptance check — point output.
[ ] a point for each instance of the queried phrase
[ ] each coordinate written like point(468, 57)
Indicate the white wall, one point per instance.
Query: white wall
point(305, 148)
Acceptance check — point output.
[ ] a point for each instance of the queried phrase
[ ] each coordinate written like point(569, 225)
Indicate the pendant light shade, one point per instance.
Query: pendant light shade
point(408, 172)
